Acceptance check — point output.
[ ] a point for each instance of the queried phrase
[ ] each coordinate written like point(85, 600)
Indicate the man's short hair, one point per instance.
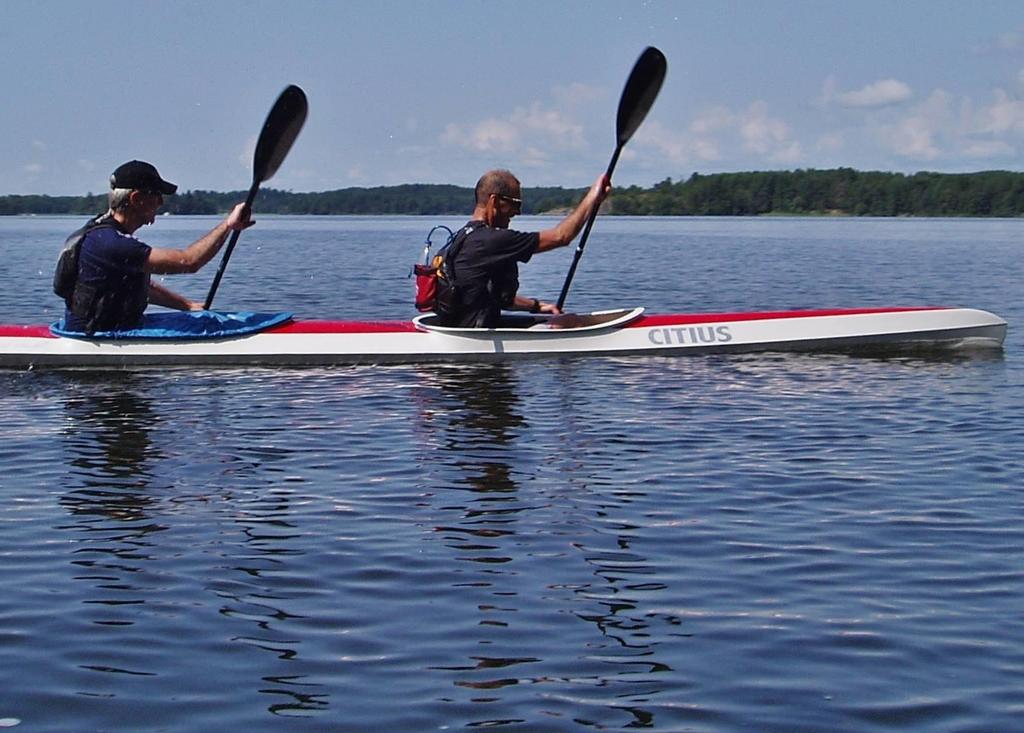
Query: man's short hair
point(119, 198)
point(500, 182)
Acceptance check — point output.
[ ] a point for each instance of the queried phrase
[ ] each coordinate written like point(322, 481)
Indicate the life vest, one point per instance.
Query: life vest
point(108, 306)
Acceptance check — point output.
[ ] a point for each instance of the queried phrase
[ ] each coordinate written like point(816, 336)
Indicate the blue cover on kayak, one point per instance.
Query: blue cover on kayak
point(192, 325)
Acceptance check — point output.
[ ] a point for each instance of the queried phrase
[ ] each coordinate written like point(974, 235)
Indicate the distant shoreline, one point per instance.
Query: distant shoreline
point(835, 192)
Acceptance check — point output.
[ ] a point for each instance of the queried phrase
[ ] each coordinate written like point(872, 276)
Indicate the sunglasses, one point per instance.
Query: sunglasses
point(517, 204)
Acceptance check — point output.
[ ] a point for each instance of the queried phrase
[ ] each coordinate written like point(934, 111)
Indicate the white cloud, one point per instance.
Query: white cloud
point(534, 157)
point(893, 125)
point(537, 124)
point(760, 133)
point(943, 128)
point(487, 136)
point(711, 120)
point(918, 134)
point(674, 146)
point(914, 138)
point(792, 153)
point(767, 136)
point(829, 89)
point(989, 149)
point(882, 93)
point(552, 124)
point(33, 168)
point(1005, 115)
point(706, 150)
point(716, 133)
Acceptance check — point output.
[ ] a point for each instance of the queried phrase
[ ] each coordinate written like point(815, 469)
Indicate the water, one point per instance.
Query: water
point(727, 543)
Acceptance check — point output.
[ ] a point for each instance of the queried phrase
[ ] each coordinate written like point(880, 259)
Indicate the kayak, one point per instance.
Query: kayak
point(629, 331)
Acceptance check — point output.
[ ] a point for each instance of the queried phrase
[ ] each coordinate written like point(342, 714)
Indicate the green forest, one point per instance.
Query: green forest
point(836, 192)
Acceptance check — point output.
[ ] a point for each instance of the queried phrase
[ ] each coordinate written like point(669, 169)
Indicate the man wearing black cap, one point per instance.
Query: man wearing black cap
point(112, 285)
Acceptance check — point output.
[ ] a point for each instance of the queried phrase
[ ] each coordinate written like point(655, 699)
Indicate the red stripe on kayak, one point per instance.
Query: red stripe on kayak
point(26, 331)
point(290, 327)
point(37, 331)
point(691, 318)
point(344, 327)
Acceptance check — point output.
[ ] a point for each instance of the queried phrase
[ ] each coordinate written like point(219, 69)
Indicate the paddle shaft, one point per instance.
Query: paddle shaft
point(637, 97)
point(279, 132)
point(586, 233)
point(231, 246)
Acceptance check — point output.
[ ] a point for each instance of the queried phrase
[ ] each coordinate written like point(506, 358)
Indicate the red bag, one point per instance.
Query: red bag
point(426, 286)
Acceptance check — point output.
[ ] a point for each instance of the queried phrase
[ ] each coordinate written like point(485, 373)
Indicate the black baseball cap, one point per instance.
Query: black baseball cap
point(140, 176)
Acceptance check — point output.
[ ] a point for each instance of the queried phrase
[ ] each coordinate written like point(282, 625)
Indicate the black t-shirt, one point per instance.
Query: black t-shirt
point(487, 273)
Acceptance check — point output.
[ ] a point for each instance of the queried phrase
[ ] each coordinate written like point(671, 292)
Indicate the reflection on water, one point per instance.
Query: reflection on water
point(474, 416)
point(110, 457)
point(107, 432)
point(539, 552)
point(119, 455)
point(255, 595)
point(481, 417)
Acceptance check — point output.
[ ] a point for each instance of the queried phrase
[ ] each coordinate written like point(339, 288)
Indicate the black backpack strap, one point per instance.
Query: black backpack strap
point(451, 251)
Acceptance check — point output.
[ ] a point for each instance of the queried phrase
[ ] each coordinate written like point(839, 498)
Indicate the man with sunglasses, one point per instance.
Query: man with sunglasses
point(485, 264)
point(110, 283)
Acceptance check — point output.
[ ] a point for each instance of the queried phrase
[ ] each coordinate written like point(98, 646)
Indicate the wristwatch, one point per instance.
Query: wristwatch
point(535, 308)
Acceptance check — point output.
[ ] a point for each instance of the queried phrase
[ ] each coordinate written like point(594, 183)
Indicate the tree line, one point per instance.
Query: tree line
point(840, 191)
point(408, 199)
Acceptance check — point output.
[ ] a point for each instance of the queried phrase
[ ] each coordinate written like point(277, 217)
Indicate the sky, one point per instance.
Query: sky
point(439, 91)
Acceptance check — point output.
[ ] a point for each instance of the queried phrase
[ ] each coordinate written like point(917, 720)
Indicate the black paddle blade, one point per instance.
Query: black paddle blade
point(642, 88)
point(279, 132)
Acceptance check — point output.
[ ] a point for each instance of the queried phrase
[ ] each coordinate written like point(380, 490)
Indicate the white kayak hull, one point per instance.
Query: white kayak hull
point(622, 332)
